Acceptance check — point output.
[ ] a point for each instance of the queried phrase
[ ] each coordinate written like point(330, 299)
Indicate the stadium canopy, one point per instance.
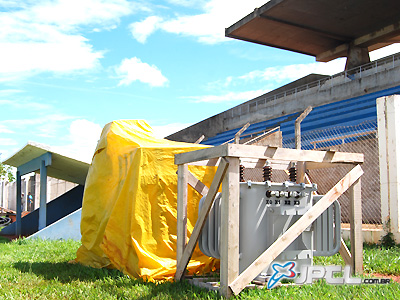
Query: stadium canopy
point(325, 29)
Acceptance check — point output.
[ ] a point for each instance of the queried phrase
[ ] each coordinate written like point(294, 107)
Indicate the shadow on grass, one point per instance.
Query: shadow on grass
point(159, 290)
point(114, 282)
point(65, 272)
point(4, 240)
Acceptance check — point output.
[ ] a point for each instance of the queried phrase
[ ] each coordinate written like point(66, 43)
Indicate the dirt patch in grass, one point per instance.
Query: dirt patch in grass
point(395, 278)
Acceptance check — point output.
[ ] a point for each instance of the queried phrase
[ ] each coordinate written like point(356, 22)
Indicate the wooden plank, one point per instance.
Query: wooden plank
point(211, 286)
point(239, 133)
point(252, 162)
point(259, 163)
point(229, 249)
point(345, 253)
point(314, 165)
point(187, 253)
point(265, 259)
point(200, 139)
point(265, 134)
point(202, 154)
point(297, 126)
point(181, 211)
point(301, 171)
point(293, 154)
point(356, 237)
point(208, 163)
point(198, 186)
point(269, 153)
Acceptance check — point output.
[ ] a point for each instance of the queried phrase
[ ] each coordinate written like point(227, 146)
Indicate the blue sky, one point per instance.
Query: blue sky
point(68, 67)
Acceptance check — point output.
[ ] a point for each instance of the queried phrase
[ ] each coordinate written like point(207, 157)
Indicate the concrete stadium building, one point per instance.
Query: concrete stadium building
point(352, 111)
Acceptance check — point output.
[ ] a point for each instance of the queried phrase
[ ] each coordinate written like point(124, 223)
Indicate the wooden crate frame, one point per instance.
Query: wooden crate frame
point(228, 157)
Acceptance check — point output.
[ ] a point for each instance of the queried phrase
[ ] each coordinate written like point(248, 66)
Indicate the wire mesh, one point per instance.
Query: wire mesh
point(360, 138)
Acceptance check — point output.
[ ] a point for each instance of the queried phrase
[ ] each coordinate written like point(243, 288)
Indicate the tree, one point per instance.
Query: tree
point(6, 173)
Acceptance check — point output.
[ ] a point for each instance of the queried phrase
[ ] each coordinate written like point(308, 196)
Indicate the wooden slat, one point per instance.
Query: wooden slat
point(239, 133)
point(301, 171)
point(265, 259)
point(265, 134)
point(297, 126)
point(211, 286)
point(208, 163)
point(187, 253)
point(345, 253)
point(200, 139)
point(202, 154)
point(230, 228)
point(293, 154)
point(198, 186)
point(259, 163)
point(356, 237)
point(181, 211)
point(269, 153)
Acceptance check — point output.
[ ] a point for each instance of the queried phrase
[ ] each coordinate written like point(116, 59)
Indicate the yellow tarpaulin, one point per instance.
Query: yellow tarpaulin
point(129, 204)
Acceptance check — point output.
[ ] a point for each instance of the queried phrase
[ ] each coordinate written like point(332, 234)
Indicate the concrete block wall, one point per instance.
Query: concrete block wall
point(31, 183)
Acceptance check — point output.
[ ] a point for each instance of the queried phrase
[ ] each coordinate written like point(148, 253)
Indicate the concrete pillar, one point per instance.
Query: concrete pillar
point(43, 195)
point(37, 191)
point(388, 113)
point(2, 193)
point(356, 56)
point(18, 209)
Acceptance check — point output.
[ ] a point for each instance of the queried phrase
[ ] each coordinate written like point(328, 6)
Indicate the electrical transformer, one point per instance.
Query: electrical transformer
point(266, 211)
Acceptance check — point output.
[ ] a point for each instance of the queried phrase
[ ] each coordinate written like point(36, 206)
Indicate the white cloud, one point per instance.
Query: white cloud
point(229, 97)
point(284, 74)
point(9, 92)
point(134, 69)
point(7, 142)
point(141, 30)
point(70, 54)
point(385, 51)
point(83, 137)
point(186, 2)
point(22, 104)
point(5, 129)
point(70, 13)
point(45, 124)
point(40, 36)
point(293, 72)
point(208, 26)
point(162, 131)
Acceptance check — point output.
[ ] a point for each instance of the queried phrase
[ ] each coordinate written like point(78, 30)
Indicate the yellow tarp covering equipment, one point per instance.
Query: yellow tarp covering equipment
point(129, 204)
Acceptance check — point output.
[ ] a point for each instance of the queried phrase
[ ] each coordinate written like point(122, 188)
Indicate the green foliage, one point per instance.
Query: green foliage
point(387, 240)
point(6, 173)
point(377, 259)
point(37, 269)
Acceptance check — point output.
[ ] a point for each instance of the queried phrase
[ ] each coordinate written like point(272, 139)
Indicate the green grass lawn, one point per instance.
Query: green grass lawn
point(36, 269)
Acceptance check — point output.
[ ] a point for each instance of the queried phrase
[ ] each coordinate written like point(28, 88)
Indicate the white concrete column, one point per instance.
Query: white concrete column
point(1, 193)
point(388, 113)
point(43, 196)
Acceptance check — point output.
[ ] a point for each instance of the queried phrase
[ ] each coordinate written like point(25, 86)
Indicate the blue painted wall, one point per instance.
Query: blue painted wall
point(56, 209)
point(344, 113)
